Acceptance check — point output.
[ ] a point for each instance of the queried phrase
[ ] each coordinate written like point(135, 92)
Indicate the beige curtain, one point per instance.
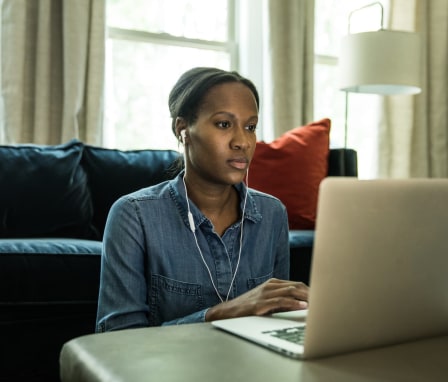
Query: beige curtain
point(414, 136)
point(291, 39)
point(51, 70)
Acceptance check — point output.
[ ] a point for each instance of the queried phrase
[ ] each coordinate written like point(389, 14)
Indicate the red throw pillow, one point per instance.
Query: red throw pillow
point(291, 168)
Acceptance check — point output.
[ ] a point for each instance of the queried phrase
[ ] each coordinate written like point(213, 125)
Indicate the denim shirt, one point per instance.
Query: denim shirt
point(152, 272)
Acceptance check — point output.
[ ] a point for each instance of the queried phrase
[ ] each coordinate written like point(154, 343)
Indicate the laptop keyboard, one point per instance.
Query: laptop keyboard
point(295, 334)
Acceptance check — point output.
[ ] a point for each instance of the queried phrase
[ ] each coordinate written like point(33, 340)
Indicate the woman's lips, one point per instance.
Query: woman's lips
point(239, 163)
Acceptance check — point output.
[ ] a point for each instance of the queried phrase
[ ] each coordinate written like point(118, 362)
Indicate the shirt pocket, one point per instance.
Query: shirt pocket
point(253, 282)
point(171, 299)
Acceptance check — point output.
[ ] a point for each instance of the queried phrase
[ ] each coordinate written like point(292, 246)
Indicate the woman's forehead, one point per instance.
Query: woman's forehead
point(229, 95)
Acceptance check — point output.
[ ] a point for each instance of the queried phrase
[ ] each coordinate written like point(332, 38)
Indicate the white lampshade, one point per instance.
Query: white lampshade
point(383, 62)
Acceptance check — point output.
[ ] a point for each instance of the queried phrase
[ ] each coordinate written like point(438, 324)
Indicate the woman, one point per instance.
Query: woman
point(202, 246)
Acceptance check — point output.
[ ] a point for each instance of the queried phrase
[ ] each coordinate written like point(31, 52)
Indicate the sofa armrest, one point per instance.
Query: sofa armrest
point(343, 162)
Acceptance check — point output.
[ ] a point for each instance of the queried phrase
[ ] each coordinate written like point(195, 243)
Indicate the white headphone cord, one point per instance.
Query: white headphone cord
point(192, 228)
point(241, 235)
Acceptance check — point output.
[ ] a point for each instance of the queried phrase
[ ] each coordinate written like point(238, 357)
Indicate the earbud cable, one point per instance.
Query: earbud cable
point(192, 228)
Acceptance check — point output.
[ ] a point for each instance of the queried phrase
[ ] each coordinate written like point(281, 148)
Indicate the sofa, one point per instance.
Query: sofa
point(54, 202)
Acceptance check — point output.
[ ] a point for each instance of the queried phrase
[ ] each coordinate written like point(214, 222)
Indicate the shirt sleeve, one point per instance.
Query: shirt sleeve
point(190, 319)
point(282, 255)
point(123, 288)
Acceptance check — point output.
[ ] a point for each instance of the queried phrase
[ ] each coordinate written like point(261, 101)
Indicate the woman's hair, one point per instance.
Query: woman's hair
point(188, 93)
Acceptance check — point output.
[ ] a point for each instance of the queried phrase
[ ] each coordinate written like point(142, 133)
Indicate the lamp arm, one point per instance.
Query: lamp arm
point(367, 6)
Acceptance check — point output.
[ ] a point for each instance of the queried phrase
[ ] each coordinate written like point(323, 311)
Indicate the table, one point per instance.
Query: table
point(199, 352)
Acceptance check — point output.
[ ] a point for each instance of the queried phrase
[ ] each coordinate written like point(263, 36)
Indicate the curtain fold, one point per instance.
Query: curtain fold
point(413, 140)
point(291, 46)
point(52, 71)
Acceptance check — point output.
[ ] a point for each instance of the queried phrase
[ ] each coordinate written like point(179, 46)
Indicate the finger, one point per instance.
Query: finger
point(298, 291)
point(280, 304)
point(276, 283)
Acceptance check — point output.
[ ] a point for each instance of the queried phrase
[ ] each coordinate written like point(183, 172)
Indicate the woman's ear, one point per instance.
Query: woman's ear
point(183, 134)
point(180, 125)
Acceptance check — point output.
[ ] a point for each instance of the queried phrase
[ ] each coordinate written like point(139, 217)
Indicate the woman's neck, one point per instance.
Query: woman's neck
point(219, 203)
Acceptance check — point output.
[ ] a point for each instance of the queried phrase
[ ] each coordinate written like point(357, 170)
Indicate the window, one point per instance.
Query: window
point(150, 44)
point(331, 24)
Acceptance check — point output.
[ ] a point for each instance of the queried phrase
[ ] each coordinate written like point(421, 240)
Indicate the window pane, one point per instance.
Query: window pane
point(363, 120)
point(139, 79)
point(329, 101)
point(362, 117)
point(332, 22)
point(198, 19)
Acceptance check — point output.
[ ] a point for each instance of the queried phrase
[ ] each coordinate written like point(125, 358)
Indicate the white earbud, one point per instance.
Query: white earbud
point(191, 221)
point(183, 134)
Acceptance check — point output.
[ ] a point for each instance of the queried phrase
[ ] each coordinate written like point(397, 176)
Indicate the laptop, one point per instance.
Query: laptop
point(379, 272)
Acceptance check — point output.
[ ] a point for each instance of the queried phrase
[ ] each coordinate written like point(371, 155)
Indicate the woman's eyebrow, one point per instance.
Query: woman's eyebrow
point(227, 113)
point(233, 116)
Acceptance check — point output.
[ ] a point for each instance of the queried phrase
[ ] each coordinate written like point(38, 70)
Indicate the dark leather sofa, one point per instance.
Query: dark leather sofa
point(54, 202)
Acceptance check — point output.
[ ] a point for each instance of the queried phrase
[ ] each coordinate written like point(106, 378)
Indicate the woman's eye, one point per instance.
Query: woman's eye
point(223, 124)
point(251, 128)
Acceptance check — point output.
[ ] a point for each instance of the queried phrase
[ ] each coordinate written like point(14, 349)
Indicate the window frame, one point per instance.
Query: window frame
point(230, 47)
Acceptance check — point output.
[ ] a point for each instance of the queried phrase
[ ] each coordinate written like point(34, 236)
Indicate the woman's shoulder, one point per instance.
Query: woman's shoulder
point(262, 196)
point(265, 201)
point(155, 192)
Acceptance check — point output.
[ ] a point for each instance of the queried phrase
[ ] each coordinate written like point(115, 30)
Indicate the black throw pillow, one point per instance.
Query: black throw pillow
point(113, 173)
point(44, 192)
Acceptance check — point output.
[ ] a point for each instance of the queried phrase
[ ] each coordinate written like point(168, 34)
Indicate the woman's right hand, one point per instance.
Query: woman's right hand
point(272, 296)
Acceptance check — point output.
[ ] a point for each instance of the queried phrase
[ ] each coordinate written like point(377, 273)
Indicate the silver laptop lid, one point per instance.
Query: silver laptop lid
point(381, 249)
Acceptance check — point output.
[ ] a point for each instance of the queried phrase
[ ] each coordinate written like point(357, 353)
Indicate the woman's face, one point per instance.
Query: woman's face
point(221, 142)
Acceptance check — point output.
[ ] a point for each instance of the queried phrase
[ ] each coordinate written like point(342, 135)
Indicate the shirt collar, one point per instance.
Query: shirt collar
point(177, 192)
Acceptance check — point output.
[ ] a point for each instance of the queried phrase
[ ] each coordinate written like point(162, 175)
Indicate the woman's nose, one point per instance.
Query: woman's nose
point(240, 139)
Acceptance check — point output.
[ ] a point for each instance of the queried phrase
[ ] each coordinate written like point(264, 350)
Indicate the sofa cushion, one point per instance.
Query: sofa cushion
point(291, 168)
point(44, 191)
point(113, 173)
point(52, 270)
